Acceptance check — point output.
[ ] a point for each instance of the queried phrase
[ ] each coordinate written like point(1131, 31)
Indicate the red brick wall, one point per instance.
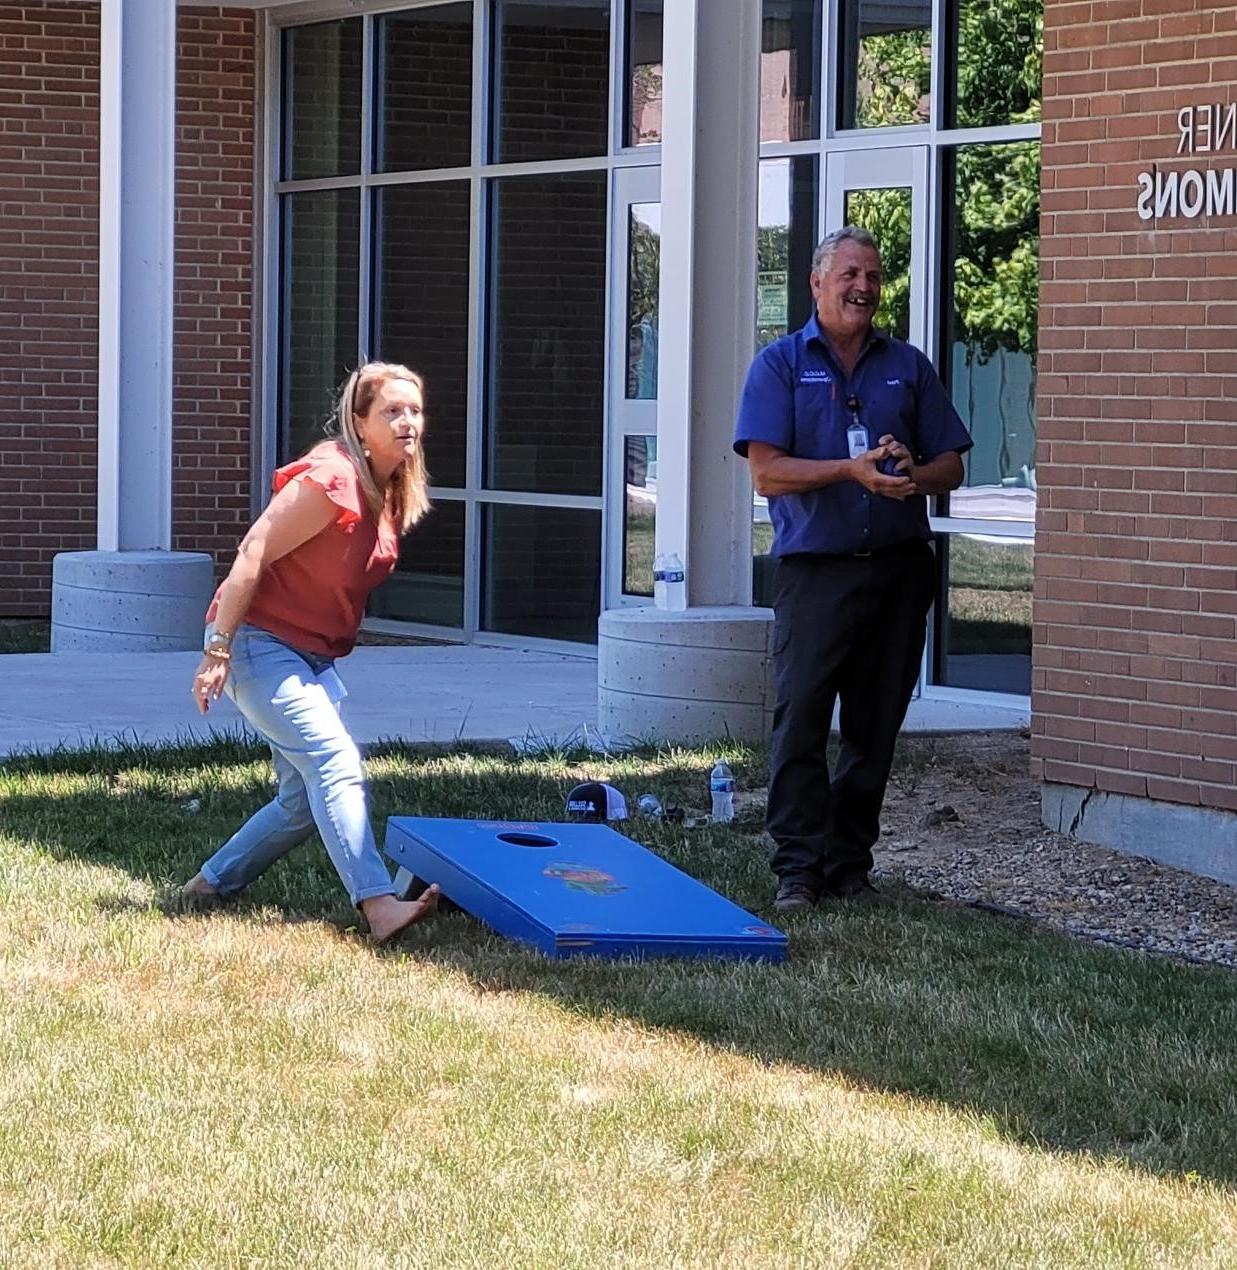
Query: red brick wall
point(49, 140)
point(213, 353)
point(1135, 664)
point(49, 104)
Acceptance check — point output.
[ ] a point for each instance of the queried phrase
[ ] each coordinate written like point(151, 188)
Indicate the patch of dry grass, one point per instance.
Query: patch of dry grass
point(258, 1087)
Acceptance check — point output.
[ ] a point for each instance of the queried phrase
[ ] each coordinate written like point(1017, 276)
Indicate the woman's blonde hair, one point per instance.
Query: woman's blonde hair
point(406, 496)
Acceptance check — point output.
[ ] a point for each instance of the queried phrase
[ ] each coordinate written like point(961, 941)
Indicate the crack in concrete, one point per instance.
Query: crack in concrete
point(1081, 812)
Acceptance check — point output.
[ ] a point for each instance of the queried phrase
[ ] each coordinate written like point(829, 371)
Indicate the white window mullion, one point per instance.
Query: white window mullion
point(365, 253)
point(475, 418)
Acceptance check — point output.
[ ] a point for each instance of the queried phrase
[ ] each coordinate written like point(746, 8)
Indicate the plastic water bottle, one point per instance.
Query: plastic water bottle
point(721, 787)
point(676, 584)
point(659, 582)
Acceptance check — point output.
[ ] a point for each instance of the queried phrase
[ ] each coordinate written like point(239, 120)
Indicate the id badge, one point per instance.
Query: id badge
point(857, 440)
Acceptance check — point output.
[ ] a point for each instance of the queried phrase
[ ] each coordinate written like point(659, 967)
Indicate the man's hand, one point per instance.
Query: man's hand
point(898, 451)
point(936, 476)
point(865, 470)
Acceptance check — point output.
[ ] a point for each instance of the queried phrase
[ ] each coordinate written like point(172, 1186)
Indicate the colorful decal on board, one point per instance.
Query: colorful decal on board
point(759, 930)
point(583, 877)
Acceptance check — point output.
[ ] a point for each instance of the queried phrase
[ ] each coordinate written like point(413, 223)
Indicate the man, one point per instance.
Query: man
point(856, 573)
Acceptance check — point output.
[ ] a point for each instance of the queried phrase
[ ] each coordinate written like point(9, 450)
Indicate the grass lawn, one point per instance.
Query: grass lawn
point(919, 1086)
point(25, 635)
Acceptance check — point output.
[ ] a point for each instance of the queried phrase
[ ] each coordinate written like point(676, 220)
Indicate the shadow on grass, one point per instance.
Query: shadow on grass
point(1053, 1043)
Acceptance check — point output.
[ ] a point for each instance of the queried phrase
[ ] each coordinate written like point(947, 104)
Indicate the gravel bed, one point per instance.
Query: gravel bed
point(961, 823)
point(1086, 891)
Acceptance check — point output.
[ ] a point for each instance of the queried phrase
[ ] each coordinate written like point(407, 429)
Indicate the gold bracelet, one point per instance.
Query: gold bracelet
point(219, 654)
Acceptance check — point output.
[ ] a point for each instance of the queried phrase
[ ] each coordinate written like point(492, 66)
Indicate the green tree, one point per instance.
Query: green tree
point(886, 215)
point(644, 271)
point(1000, 62)
point(894, 79)
point(996, 248)
point(996, 204)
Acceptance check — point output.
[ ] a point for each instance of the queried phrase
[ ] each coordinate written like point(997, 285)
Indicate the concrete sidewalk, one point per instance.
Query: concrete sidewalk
point(412, 693)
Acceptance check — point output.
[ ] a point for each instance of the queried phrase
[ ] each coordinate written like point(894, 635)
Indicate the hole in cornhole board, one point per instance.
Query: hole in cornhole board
point(528, 839)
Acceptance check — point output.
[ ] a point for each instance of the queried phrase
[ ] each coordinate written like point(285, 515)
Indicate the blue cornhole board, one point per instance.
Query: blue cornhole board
point(572, 889)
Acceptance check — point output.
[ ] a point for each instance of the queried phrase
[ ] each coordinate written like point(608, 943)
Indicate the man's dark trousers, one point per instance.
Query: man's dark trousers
point(848, 629)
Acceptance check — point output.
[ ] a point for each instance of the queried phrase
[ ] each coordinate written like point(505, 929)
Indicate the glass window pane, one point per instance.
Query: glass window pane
point(318, 343)
point(640, 520)
point(644, 74)
point(1000, 53)
point(991, 316)
point(984, 627)
point(790, 70)
point(786, 238)
point(428, 583)
point(643, 275)
point(322, 100)
point(542, 572)
point(886, 215)
point(886, 53)
point(546, 369)
point(553, 79)
point(421, 307)
point(425, 76)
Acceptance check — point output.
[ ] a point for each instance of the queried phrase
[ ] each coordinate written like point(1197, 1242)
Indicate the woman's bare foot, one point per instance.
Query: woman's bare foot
point(387, 916)
point(198, 888)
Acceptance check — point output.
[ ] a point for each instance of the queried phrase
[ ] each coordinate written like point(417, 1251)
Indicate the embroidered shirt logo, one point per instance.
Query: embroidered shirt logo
point(816, 377)
point(893, 383)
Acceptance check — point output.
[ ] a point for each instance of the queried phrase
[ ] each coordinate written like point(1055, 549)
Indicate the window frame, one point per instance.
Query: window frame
point(480, 172)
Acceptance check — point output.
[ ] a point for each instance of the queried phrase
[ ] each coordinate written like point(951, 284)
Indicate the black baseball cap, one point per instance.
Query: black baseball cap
point(596, 801)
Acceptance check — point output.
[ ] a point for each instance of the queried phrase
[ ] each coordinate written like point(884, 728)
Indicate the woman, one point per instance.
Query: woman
point(290, 605)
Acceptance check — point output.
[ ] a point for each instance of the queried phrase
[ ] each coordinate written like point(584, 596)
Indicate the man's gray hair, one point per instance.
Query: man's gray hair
point(829, 244)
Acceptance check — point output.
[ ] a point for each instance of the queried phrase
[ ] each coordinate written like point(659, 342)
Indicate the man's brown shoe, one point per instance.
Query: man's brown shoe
point(859, 891)
point(793, 896)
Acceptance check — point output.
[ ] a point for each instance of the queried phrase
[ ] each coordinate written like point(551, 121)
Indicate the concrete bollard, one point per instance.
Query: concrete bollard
point(130, 601)
point(698, 675)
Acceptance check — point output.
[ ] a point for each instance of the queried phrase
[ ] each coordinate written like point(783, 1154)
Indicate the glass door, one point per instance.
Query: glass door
point(631, 463)
point(885, 191)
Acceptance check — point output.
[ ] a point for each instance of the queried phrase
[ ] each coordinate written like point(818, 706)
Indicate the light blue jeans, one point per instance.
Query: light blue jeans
point(291, 698)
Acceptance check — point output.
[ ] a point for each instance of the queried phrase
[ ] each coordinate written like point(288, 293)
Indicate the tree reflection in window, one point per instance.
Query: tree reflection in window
point(643, 281)
point(887, 64)
point(999, 66)
point(991, 347)
point(785, 240)
point(886, 215)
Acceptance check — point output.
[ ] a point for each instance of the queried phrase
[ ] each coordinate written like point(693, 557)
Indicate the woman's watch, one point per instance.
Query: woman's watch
point(219, 645)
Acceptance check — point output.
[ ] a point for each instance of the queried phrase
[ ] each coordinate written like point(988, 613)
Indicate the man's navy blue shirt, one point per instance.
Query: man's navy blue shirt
point(795, 398)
